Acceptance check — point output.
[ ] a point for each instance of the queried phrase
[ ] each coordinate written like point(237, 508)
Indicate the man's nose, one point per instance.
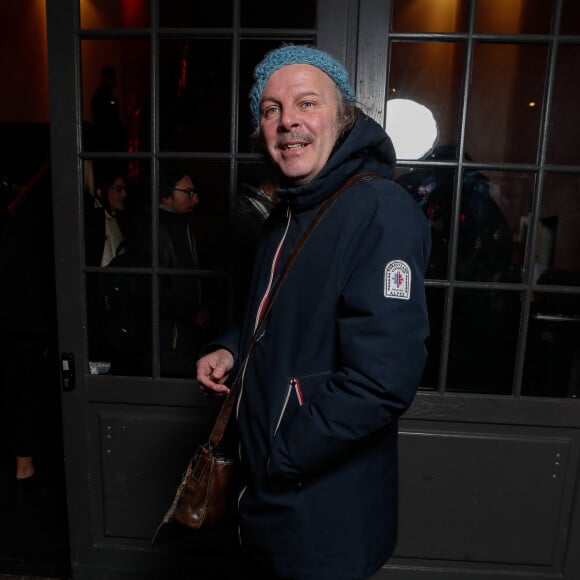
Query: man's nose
point(289, 118)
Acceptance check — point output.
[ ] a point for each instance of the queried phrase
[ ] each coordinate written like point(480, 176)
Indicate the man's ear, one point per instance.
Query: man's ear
point(99, 193)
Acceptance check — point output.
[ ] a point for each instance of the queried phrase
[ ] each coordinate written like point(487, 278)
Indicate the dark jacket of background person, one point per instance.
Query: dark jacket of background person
point(337, 364)
point(252, 209)
point(180, 299)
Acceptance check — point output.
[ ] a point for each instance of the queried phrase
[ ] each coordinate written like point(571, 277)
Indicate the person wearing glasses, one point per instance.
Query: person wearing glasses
point(183, 318)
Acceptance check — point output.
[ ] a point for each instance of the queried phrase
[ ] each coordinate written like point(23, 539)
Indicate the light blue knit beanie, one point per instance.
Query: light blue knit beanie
point(296, 54)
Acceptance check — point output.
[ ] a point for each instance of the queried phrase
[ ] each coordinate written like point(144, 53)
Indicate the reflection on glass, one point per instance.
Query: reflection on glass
point(430, 73)
point(552, 363)
point(116, 224)
point(119, 323)
point(433, 190)
point(501, 17)
point(259, 14)
point(115, 13)
point(505, 128)
point(190, 315)
point(115, 88)
point(429, 16)
point(188, 14)
point(484, 335)
point(563, 135)
point(510, 202)
point(251, 53)
point(195, 110)
point(557, 259)
point(494, 217)
point(435, 305)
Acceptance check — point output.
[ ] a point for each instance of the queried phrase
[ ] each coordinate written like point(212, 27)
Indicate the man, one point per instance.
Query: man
point(342, 351)
point(109, 133)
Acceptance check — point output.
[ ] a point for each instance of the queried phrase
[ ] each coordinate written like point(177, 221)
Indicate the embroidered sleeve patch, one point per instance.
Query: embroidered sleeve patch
point(397, 280)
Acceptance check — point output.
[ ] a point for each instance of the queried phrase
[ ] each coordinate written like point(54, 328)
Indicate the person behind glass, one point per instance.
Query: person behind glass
point(253, 206)
point(108, 129)
point(183, 318)
point(104, 238)
point(343, 348)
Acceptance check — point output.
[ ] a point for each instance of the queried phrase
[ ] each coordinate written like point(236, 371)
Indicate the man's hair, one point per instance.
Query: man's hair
point(106, 172)
point(169, 175)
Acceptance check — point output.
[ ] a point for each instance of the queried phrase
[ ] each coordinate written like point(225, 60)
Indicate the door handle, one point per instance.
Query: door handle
point(67, 362)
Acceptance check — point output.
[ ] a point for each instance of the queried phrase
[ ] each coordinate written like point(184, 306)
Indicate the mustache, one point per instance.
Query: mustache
point(293, 138)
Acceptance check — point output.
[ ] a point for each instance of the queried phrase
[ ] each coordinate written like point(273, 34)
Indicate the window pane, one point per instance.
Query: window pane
point(484, 335)
point(493, 225)
point(552, 363)
point(262, 14)
point(505, 128)
point(119, 323)
point(191, 314)
point(188, 14)
point(435, 306)
point(570, 23)
point(251, 53)
point(557, 259)
point(115, 14)
point(514, 16)
point(116, 212)
point(430, 74)
point(429, 16)
point(564, 136)
point(194, 91)
point(116, 89)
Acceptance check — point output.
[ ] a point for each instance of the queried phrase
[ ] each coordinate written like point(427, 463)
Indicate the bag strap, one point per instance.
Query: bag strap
point(228, 404)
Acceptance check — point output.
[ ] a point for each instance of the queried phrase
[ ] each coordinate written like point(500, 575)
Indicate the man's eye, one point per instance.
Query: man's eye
point(307, 104)
point(270, 111)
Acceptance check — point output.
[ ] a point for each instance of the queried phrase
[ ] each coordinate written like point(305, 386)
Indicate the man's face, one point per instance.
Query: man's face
point(299, 120)
point(183, 198)
point(117, 195)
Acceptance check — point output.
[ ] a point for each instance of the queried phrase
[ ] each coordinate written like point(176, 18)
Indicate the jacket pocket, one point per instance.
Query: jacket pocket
point(298, 391)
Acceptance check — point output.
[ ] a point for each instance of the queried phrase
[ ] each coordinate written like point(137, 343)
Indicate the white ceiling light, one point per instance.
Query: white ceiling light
point(412, 128)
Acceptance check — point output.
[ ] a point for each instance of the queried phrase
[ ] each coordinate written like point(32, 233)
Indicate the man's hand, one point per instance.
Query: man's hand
point(213, 370)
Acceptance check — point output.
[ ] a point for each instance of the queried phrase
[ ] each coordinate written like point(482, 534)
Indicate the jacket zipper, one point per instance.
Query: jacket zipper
point(266, 295)
point(264, 301)
point(293, 385)
point(259, 313)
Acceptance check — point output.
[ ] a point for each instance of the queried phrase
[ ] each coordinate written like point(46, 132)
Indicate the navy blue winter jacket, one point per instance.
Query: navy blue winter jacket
point(340, 359)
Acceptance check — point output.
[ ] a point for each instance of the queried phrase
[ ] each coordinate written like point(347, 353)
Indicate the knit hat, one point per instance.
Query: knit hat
point(296, 54)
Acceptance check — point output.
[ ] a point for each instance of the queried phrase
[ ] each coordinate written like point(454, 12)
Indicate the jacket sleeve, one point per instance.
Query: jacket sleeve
point(382, 326)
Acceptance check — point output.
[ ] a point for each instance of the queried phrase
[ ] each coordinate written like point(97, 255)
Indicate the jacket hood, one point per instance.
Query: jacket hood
point(366, 147)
